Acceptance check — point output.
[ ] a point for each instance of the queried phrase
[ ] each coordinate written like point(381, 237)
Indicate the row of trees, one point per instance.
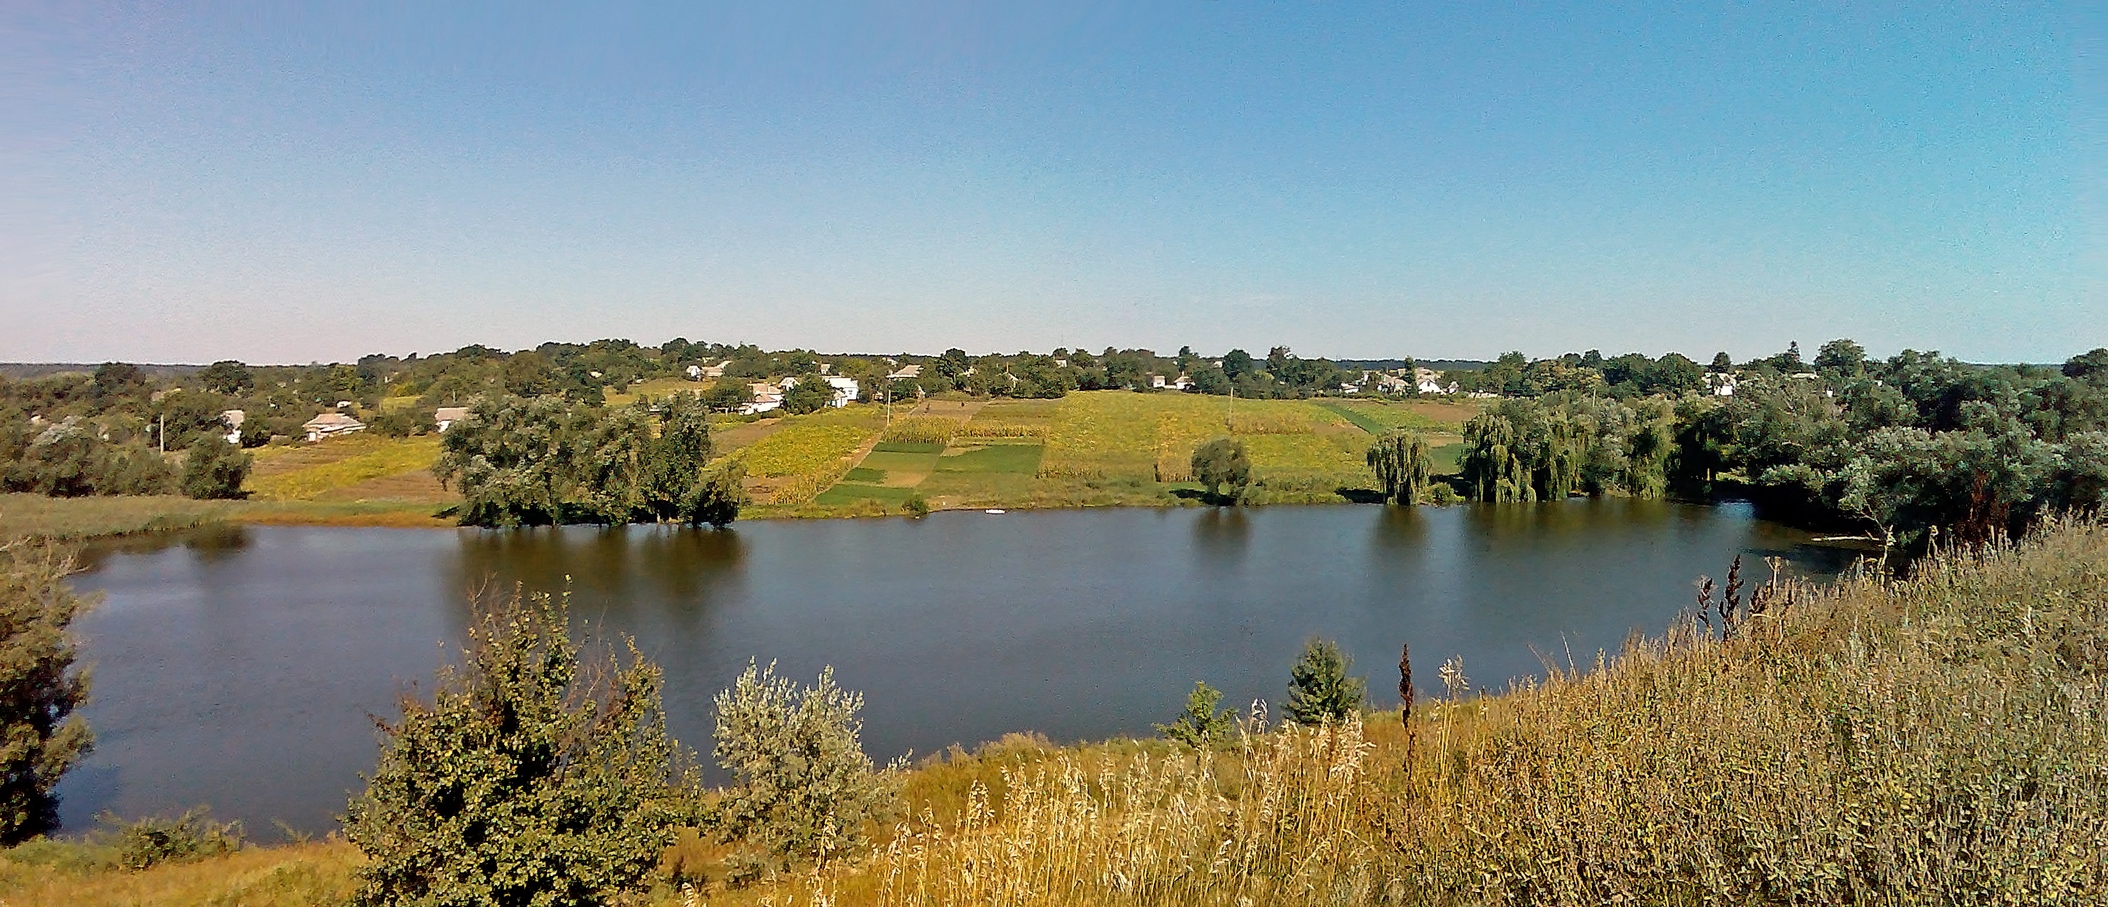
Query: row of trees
point(1902, 446)
point(527, 461)
point(77, 458)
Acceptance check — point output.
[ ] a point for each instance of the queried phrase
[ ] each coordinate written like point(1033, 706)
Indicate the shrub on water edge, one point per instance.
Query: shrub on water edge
point(1202, 725)
point(153, 841)
point(530, 777)
point(214, 469)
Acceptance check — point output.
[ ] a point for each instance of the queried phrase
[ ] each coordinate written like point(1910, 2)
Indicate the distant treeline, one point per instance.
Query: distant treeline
point(1905, 447)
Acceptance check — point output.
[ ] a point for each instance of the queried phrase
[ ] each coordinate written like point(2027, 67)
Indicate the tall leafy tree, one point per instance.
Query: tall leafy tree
point(1403, 466)
point(40, 687)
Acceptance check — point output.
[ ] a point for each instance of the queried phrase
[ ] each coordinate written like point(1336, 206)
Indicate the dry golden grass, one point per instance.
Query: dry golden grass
point(305, 875)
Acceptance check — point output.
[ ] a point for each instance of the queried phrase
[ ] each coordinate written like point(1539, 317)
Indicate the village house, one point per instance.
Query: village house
point(448, 415)
point(233, 419)
point(330, 425)
point(701, 372)
point(845, 390)
point(1385, 383)
point(1429, 381)
point(905, 373)
point(1180, 383)
point(763, 396)
point(1722, 385)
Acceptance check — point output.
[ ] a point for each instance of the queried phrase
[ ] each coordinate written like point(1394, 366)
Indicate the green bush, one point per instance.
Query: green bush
point(1221, 462)
point(193, 835)
point(214, 469)
point(526, 780)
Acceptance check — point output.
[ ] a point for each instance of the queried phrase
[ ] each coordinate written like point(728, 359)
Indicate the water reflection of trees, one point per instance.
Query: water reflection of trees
point(606, 570)
point(1221, 535)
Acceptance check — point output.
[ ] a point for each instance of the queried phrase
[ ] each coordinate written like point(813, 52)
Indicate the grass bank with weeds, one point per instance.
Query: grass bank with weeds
point(1931, 740)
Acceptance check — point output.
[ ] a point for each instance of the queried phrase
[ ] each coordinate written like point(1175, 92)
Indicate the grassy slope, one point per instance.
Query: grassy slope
point(1930, 741)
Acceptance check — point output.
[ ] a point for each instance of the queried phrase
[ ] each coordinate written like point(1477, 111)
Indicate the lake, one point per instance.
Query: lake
point(242, 667)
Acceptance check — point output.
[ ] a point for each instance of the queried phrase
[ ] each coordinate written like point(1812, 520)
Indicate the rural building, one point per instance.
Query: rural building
point(1429, 381)
point(701, 372)
point(1722, 385)
point(233, 419)
point(845, 390)
point(329, 425)
point(1385, 383)
point(448, 415)
point(905, 373)
point(1180, 383)
point(762, 397)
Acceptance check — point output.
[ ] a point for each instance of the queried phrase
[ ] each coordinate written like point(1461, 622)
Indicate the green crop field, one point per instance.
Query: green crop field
point(1094, 448)
point(1021, 459)
point(310, 471)
point(810, 445)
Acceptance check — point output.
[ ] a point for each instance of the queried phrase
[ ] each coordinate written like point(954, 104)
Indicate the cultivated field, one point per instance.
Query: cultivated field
point(1098, 448)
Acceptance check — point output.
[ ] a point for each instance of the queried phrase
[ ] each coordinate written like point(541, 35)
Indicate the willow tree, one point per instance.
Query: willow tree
point(1403, 466)
point(1492, 462)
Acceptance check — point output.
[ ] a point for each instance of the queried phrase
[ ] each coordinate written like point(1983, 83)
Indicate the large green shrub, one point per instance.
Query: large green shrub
point(528, 779)
point(214, 468)
point(40, 736)
point(193, 835)
point(1222, 462)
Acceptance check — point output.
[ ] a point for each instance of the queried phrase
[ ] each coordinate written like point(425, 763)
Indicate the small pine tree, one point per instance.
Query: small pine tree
point(1319, 690)
point(214, 469)
point(39, 688)
point(525, 780)
point(1201, 725)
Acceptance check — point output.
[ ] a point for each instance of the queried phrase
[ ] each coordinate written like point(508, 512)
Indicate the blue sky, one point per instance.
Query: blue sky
point(286, 183)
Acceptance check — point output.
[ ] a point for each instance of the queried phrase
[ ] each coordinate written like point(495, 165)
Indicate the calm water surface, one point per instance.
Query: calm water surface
point(240, 668)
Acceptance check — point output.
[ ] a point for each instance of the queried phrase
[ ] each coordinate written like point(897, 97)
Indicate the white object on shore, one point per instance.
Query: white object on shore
point(993, 510)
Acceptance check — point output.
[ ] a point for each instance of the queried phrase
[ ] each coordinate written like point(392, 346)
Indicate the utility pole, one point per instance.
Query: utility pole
point(162, 432)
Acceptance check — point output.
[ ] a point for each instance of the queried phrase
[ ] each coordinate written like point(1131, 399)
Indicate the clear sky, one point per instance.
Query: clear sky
point(287, 183)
